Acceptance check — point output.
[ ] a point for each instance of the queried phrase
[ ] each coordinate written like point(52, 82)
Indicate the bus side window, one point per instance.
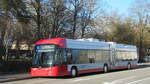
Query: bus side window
point(91, 56)
point(91, 60)
point(69, 56)
point(63, 58)
point(75, 56)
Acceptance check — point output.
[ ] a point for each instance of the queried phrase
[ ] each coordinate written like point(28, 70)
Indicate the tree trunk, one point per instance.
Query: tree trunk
point(6, 54)
point(74, 25)
point(83, 31)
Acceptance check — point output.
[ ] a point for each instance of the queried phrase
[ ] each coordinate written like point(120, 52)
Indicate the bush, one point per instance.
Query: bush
point(15, 66)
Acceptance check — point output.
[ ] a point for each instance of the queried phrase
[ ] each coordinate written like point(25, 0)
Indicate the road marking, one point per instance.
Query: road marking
point(134, 82)
point(84, 79)
point(81, 80)
point(120, 80)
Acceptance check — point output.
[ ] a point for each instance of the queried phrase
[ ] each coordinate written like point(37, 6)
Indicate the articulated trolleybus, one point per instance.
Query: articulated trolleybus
point(67, 57)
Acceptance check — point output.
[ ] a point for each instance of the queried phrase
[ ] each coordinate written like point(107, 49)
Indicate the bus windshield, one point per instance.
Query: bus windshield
point(49, 55)
point(44, 55)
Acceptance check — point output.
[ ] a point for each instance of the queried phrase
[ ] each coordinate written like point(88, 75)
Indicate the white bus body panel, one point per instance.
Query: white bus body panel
point(112, 46)
point(77, 44)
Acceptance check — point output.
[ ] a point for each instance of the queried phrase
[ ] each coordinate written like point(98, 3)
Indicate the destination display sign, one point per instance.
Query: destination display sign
point(45, 47)
point(50, 50)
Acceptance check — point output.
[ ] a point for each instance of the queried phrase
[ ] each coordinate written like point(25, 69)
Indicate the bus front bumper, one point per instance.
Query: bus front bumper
point(51, 71)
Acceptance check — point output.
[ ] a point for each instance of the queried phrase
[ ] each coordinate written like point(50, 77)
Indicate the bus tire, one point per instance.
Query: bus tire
point(105, 69)
point(74, 72)
point(129, 66)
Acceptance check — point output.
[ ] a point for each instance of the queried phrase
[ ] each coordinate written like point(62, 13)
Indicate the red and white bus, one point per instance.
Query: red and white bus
point(63, 57)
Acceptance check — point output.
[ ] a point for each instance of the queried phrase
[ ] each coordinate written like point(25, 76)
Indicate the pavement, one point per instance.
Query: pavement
point(7, 77)
point(140, 74)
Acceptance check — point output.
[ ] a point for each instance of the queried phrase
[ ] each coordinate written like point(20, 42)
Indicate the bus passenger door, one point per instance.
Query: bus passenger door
point(112, 58)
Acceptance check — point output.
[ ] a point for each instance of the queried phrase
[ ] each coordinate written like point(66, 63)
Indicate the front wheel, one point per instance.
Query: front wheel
point(73, 72)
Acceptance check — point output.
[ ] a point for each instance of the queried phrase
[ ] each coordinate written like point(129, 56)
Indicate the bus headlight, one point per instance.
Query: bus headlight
point(34, 69)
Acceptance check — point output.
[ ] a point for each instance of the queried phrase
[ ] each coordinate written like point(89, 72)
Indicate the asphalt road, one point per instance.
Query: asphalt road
point(140, 75)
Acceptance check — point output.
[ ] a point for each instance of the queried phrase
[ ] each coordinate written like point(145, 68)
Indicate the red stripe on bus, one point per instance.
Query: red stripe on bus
point(121, 67)
point(124, 67)
point(89, 70)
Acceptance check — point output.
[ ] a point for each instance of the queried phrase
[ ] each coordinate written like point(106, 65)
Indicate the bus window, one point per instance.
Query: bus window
point(91, 56)
point(69, 56)
point(75, 56)
point(60, 56)
point(64, 56)
point(97, 56)
point(83, 56)
point(72, 56)
point(91, 60)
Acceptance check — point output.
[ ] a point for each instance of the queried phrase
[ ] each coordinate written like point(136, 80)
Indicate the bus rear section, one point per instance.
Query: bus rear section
point(123, 56)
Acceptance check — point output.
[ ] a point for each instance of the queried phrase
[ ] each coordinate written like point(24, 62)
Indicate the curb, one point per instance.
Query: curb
point(15, 79)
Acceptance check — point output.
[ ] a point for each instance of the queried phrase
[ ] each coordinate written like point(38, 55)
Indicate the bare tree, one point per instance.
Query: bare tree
point(86, 15)
point(141, 14)
point(75, 7)
point(36, 7)
point(58, 14)
point(8, 37)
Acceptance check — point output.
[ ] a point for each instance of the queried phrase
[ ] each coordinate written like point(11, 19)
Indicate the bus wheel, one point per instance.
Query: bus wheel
point(129, 66)
point(105, 68)
point(74, 72)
